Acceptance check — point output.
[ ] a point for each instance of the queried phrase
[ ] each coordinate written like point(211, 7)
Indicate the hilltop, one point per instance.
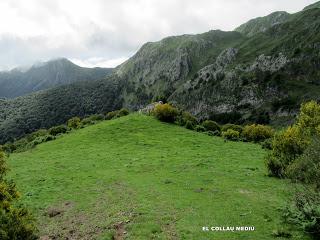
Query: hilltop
point(143, 179)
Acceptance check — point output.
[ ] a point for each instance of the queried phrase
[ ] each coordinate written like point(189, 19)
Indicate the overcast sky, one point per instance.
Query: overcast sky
point(106, 32)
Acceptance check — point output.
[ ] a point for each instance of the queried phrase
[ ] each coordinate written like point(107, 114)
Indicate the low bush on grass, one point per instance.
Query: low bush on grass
point(116, 114)
point(165, 112)
point(184, 117)
point(54, 131)
point(74, 123)
point(15, 222)
point(257, 133)
point(199, 128)
point(210, 125)
point(231, 134)
point(234, 127)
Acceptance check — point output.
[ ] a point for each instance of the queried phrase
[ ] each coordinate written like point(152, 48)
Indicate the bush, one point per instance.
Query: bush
point(231, 135)
point(267, 144)
point(287, 145)
point(54, 131)
point(234, 127)
point(96, 117)
point(306, 168)
point(74, 123)
point(257, 133)
point(87, 121)
point(185, 117)
point(304, 211)
point(213, 133)
point(211, 126)
point(309, 117)
point(200, 128)
point(111, 115)
point(165, 112)
point(15, 222)
point(190, 125)
point(123, 112)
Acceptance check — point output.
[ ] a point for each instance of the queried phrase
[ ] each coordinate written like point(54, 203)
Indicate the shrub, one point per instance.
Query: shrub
point(231, 134)
point(309, 117)
point(15, 222)
point(304, 211)
point(257, 132)
point(287, 145)
point(185, 117)
point(74, 123)
point(213, 133)
point(306, 168)
point(111, 115)
point(54, 131)
point(165, 112)
point(234, 127)
point(87, 121)
point(123, 112)
point(190, 125)
point(200, 128)
point(211, 125)
point(96, 117)
point(267, 144)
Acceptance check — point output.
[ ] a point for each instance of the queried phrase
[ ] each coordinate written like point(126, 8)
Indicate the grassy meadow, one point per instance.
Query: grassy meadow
point(138, 178)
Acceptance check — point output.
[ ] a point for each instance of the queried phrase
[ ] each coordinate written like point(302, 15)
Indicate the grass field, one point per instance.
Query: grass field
point(138, 178)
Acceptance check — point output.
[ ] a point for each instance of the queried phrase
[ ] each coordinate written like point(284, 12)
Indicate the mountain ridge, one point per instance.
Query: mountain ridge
point(46, 75)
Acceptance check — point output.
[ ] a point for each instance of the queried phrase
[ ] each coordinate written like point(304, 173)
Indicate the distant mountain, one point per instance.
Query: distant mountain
point(260, 73)
point(46, 75)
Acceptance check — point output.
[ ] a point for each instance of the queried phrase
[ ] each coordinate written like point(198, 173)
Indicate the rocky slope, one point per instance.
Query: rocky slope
point(46, 75)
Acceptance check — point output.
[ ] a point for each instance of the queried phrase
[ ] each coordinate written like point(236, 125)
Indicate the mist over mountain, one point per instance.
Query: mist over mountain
point(261, 72)
point(40, 76)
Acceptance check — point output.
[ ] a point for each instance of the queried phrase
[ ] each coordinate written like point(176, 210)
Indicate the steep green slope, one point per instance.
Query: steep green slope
point(46, 75)
point(149, 179)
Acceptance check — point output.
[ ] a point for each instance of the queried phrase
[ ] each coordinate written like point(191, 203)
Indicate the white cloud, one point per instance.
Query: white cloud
point(112, 30)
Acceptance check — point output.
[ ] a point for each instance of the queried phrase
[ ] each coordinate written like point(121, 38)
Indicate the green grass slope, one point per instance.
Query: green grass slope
point(138, 178)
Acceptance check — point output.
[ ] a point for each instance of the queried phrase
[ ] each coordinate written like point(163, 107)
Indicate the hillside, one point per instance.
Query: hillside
point(143, 179)
point(46, 75)
point(261, 74)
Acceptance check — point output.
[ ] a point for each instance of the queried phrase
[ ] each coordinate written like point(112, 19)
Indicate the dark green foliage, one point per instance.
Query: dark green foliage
point(111, 115)
point(190, 125)
point(200, 128)
point(96, 117)
point(185, 117)
point(267, 144)
point(229, 117)
point(216, 133)
point(165, 112)
point(234, 127)
point(123, 112)
point(306, 168)
point(16, 223)
point(211, 126)
point(231, 134)
point(58, 130)
point(74, 122)
point(304, 211)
